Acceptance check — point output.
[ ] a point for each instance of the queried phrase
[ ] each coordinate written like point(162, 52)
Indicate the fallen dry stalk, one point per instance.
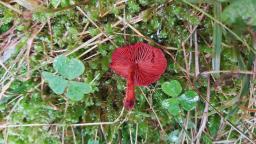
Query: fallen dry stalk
point(62, 125)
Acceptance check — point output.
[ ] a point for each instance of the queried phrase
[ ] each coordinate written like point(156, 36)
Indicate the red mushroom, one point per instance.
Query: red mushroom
point(140, 64)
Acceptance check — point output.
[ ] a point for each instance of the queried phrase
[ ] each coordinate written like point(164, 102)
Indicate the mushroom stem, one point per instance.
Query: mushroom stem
point(129, 99)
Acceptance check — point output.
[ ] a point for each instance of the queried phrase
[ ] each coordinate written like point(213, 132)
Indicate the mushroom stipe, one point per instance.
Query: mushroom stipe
point(140, 64)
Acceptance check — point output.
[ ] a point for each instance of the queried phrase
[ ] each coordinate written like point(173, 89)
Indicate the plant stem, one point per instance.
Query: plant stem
point(130, 95)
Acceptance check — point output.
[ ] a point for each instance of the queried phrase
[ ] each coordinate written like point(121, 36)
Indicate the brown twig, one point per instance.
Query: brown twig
point(29, 46)
point(151, 107)
point(11, 7)
point(205, 114)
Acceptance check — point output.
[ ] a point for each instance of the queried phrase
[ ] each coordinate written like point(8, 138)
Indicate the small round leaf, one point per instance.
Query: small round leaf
point(69, 68)
point(172, 88)
point(172, 105)
point(188, 100)
point(76, 90)
point(56, 83)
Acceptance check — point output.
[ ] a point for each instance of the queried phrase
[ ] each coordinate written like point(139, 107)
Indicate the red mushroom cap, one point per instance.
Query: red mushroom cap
point(141, 64)
point(148, 62)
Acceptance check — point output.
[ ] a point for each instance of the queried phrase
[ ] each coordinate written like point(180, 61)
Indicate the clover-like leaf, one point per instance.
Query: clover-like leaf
point(76, 90)
point(188, 100)
point(56, 83)
point(172, 88)
point(172, 105)
point(69, 68)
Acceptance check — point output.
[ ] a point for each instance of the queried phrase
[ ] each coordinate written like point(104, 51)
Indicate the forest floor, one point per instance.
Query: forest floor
point(56, 86)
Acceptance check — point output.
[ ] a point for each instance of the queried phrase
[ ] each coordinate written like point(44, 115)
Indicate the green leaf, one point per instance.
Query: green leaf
point(172, 105)
point(240, 9)
point(76, 90)
point(56, 83)
point(188, 100)
point(69, 68)
point(172, 88)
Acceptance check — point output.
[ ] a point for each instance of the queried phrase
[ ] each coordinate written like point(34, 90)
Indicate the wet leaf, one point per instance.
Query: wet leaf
point(188, 100)
point(56, 83)
point(69, 68)
point(172, 88)
point(76, 90)
point(172, 105)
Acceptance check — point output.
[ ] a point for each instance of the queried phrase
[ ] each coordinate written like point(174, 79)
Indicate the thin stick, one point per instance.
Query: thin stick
point(29, 46)
point(228, 71)
point(151, 107)
point(91, 56)
point(197, 70)
point(185, 59)
point(130, 132)
point(63, 135)
point(62, 124)
point(95, 25)
point(74, 135)
point(103, 132)
point(220, 23)
point(136, 135)
point(8, 118)
point(143, 36)
point(6, 87)
point(11, 7)
point(221, 115)
point(205, 114)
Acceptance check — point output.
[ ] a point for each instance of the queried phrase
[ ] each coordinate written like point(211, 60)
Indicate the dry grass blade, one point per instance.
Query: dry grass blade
point(226, 120)
point(11, 7)
point(37, 29)
point(222, 25)
point(5, 88)
point(151, 107)
point(217, 38)
point(197, 68)
point(205, 73)
point(62, 125)
point(32, 5)
point(205, 114)
point(96, 25)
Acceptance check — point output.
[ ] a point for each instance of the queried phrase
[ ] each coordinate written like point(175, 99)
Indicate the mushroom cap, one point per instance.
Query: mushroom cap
point(147, 62)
